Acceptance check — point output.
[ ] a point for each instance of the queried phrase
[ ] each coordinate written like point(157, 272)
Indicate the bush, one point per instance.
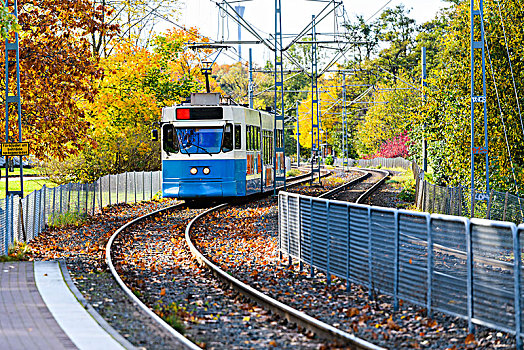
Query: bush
point(330, 160)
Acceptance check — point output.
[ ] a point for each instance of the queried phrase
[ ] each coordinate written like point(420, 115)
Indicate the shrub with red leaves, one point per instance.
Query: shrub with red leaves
point(395, 147)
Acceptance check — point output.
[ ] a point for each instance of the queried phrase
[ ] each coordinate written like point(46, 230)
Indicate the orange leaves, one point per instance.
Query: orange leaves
point(470, 340)
point(162, 292)
point(391, 324)
point(353, 312)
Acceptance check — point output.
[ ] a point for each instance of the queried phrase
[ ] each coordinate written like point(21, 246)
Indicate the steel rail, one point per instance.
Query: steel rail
point(343, 187)
point(369, 192)
point(298, 317)
point(186, 343)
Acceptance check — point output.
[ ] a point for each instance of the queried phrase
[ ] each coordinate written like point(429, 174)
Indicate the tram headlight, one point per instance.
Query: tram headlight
point(193, 171)
point(206, 171)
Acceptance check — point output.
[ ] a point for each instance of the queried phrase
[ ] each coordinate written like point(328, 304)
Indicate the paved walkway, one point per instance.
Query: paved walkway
point(37, 309)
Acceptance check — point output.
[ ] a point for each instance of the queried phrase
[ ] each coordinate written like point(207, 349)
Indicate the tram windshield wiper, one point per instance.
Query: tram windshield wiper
point(202, 148)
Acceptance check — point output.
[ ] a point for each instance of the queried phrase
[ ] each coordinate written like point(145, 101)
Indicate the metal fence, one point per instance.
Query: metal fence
point(377, 162)
point(22, 219)
point(466, 268)
point(432, 198)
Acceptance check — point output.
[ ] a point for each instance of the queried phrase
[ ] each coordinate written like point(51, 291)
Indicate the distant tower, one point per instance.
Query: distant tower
point(240, 12)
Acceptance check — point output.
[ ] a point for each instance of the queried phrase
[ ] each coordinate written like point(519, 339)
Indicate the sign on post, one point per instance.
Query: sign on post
point(15, 149)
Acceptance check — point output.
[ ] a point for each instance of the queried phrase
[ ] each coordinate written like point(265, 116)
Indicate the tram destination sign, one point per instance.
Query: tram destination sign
point(15, 149)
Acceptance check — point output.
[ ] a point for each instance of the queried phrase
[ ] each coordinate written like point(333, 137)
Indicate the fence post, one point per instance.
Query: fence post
point(461, 202)
point(505, 206)
point(290, 259)
point(469, 266)
point(143, 186)
point(43, 220)
point(34, 215)
point(300, 262)
point(117, 188)
point(280, 255)
point(328, 245)
point(94, 196)
point(69, 197)
point(54, 205)
point(126, 189)
point(396, 262)
point(433, 198)
point(370, 256)
point(429, 265)
point(86, 191)
point(348, 247)
point(134, 182)
point(488, 211)
point(151, 197)
point(6, 230)
point(109, 187)
point(517, 267)
point(101, 194)
point(312, 274)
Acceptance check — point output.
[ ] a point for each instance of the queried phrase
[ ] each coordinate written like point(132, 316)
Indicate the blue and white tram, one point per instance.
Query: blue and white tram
point(217, 150)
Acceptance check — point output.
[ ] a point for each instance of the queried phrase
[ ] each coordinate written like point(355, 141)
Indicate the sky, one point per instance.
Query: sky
point(296, 14)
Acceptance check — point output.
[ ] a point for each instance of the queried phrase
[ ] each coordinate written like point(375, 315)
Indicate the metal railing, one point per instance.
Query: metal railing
point(466, 268)
point(22, 219)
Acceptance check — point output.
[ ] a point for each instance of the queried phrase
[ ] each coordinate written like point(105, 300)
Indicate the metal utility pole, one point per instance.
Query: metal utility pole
point(344, 124)
point(13, 48)
point(424, 141)
point(278, 135)
point(250, 84)
point(477, 44)
point(298, 136)
point(240, 13)
point(315, 118)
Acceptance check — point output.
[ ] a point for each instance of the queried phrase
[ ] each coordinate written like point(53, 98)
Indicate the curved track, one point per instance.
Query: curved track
point(295, 316)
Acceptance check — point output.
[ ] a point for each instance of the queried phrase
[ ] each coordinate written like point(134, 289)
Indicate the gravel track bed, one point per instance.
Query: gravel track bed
point(244, 243)
point(83, 249)
point(352, 194)
point(154, 261)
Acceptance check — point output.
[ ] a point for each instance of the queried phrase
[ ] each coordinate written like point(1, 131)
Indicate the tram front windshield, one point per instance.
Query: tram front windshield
point(199, 140)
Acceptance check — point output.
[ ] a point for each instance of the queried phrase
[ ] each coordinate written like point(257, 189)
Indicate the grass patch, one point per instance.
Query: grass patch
point(173, 314)
point(293, 172)
point(29, 185)
point(27, 171)
point(19, 252)
point(68, 219)
point(404, 181)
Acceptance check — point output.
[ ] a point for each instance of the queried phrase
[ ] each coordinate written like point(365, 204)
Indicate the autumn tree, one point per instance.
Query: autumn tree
point(136, 84)
point(56, 71)
point(447, 111)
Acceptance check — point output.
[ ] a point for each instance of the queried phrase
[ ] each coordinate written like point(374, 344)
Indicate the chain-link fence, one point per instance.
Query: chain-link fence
point(22, 219)
point(470, 269)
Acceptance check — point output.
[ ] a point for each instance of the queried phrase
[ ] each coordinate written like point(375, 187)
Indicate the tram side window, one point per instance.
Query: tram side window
point(238, 136)
point(170, 144)
point(279, 137)
point(248, 137)
point(257, 138)
point(267, 144)
point(227, 141)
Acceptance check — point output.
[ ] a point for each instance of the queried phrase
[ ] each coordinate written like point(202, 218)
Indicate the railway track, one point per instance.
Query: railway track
point(156, 269)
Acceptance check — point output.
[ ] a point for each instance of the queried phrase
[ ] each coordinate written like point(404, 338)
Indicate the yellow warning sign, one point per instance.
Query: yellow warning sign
point(15, 149)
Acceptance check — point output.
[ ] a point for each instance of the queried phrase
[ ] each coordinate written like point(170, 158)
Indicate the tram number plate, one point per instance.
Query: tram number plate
point(481, 196)
point(15, 149)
